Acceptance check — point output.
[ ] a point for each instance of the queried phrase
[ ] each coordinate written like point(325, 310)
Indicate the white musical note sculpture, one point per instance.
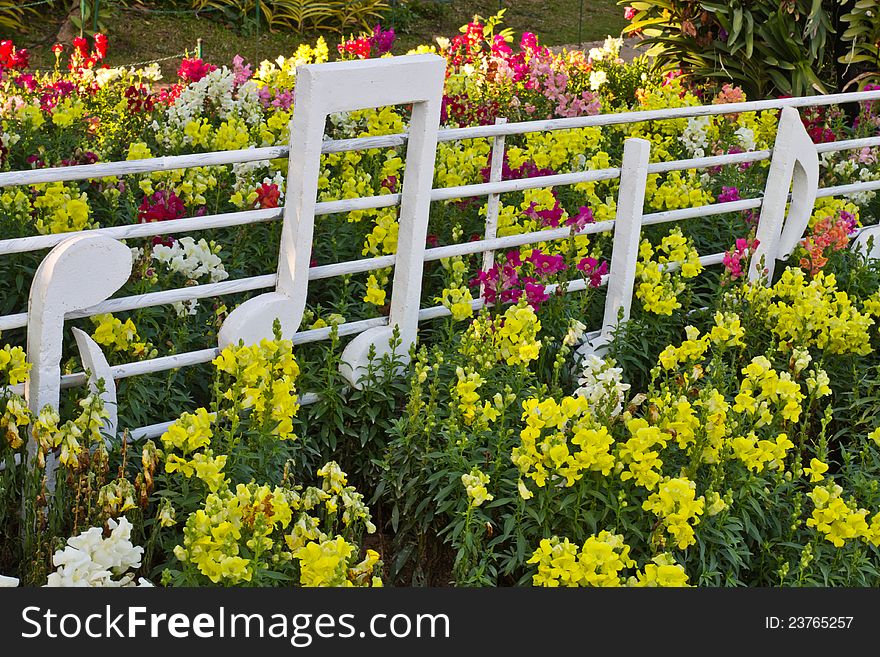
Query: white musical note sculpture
point(78, 273)
point(321, 90)
point(795, 165)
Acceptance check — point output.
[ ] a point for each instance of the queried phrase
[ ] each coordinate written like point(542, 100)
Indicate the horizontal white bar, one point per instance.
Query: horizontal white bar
point(170, 227)
point(700, 211)
point(713, 161)
point(843, 190)
point(128, 167)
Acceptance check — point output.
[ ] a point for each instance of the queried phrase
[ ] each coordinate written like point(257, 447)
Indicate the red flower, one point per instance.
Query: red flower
point(57, 48)
point(101, 45)
point(267, 195)
point(81, 47)
point(193, 70)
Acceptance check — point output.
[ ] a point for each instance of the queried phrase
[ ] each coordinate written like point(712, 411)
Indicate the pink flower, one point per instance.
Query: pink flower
point(629, 13)
point(241, 70)
point(546, 265)
point(581, 219)
point(734, 259)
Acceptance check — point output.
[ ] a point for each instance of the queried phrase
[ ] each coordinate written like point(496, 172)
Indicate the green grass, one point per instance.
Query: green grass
point(139, 37)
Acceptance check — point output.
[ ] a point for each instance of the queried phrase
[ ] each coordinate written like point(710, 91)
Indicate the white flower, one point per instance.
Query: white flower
point(92, 560)
point(192, 259)
point(746, 137)
point(575, 333)
point(597, 79)
point(602, 383)
point(695, 137)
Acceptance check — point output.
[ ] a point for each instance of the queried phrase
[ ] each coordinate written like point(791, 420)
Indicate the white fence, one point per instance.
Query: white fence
point(73, 283)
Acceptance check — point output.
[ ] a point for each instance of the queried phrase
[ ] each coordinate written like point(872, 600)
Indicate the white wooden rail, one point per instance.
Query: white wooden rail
point(373, 83)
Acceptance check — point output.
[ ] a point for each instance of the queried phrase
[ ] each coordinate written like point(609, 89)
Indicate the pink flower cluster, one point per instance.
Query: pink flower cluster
point(533, 80)
point(161, 206)
point(509, 281)
point(737, 258)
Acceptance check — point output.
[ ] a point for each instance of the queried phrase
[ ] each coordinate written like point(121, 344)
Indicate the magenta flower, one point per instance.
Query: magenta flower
point(382, 40)
point(546, 265)
point(593, 270)
point(581, 219)
point(728, 194)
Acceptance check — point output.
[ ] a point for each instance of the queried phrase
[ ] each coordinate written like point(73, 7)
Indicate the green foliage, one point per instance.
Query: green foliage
point(766, 47)
point(298, 15)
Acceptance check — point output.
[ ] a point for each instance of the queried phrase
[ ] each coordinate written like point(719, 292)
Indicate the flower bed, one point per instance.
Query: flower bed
point(728, 438)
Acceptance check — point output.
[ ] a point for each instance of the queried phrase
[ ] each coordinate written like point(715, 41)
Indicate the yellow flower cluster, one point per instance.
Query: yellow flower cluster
point(676, 504)
point(760, 454)
point(67, 112)
point(689, 352)
point(73, 437)
point(676, 191)
point(813, 312)
point(511, 337)
point(560, 150)
point(465, 392)
point(335, 494)
point(677, 417)
point(474, 484)
point(327, 564)
point(117, 497)
point(60, 209)
point(458, 300)
point(263, 377)
point(188, 434)
point(215, 536)
point(561, 441)
point(766, 394)
point(598, 562)
point(13, 419)
point(839, 520)
point(14, 367)
point(661, 572)
point(121, 336)
point(456, 296)
point(659, 282)
point(640, 455)
point(461, 162)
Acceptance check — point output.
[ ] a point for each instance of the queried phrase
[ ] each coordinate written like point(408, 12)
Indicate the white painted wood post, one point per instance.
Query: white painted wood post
point(80, 272)
point(321, 90)
point(627, 235)
point(795, 164)
point(493, 202)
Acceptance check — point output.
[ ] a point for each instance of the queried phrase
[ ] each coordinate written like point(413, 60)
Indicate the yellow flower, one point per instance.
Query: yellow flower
point(475, 486)
point(816, 470)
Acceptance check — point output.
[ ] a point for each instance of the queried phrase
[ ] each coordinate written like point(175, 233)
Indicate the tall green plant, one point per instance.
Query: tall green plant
point(767, 47)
